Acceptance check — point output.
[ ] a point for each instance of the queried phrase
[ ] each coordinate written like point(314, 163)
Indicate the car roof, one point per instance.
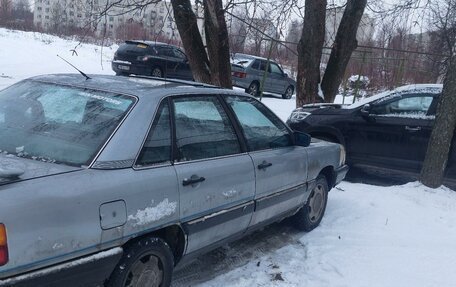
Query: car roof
point(415, 88)
point(139, 86)
point(247, 56)
point(149, 43)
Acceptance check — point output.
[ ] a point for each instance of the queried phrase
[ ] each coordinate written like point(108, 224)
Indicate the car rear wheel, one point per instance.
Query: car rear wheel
point(288, 93)
point(253, 89)
point(157, 72)
point(312, 212)
point(147, 262)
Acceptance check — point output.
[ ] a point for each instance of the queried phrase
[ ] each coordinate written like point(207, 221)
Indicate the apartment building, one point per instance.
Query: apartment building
point(55, 15)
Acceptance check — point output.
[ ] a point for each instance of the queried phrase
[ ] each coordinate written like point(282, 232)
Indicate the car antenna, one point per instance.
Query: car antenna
point(81, 72)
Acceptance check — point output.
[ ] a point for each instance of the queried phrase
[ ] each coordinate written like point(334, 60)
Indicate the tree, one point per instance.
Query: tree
point(217, 40)
point(5, 11)
point(343, 48)
point(310, 50)
point(187, 25)
point(445, 122)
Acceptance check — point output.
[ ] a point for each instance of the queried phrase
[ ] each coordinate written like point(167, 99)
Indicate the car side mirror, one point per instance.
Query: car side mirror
point(302, 139)
point(365, 110)
point(285, 75)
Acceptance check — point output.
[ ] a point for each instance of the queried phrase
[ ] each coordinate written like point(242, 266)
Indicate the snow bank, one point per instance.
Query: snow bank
point(370, 236)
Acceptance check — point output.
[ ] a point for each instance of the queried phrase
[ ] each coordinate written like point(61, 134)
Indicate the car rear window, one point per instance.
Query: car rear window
point(58, 124)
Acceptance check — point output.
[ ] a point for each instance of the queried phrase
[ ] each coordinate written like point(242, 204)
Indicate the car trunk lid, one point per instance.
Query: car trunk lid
point(14, 169)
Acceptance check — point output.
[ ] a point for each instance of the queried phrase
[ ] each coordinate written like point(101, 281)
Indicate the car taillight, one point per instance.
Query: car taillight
point(3, 245)
point(239, 75)
point(143, 58)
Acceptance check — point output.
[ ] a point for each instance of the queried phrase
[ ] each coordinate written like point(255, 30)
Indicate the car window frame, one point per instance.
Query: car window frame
point(232, 121)
point(269, 113)
point(149, 129)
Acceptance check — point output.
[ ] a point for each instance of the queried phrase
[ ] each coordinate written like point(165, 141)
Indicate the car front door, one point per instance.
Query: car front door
point(280, 167)
point(395, 134)
point(278, 80)
point(183, 70)
point(216, 177)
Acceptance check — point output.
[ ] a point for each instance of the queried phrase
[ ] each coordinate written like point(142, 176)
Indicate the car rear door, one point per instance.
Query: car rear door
point(216, 177)
point(280, 167)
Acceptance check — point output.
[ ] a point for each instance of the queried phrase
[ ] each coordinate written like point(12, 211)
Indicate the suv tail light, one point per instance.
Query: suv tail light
point(3, 245)
point(239, 75)
point(143, 58)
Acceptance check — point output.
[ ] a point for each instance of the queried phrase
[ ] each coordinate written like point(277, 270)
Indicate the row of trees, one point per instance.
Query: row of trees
point(210, 62)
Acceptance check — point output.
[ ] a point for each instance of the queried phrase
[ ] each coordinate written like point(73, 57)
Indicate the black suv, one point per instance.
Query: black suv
point(386, 133)
point(151, 59)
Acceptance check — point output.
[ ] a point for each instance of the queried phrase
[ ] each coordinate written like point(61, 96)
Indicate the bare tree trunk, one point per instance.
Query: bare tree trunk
point(343, 47)
point(217, 43)
point(439, 144)
point(309, 51)
point(186, 23)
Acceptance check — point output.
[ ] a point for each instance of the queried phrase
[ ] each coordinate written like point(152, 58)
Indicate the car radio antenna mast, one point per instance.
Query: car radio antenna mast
point(81, 72)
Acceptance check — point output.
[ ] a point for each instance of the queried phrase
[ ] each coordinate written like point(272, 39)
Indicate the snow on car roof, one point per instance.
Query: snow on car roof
point(422, 88)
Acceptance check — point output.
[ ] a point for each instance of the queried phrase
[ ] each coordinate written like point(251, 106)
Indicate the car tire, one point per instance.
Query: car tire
point(311, 214)
point(157, 72)
point(288, 93)
point(146, 262)
point(253, 89)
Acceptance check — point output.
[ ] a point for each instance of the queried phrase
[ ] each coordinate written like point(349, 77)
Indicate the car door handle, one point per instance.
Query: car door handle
point(412, 129)
point(264, 165)
point(193, 180)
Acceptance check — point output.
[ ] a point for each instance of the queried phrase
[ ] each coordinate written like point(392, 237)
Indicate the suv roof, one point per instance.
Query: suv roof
point(431, 88)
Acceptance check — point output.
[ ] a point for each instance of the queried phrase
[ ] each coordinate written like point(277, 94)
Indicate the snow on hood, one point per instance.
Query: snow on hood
point(421, 88)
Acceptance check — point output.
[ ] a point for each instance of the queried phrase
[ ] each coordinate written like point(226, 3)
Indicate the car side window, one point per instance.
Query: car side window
point(203, 129)
point(179, 54)
point(275, 69)
point(262, 129)
point(157, 147)
point(408, 106)
point(256, 65)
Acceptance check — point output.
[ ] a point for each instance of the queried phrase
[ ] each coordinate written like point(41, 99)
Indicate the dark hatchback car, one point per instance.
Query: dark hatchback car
point(387, 133)
point(151, 59)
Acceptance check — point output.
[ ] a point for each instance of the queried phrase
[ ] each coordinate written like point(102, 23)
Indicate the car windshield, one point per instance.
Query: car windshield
point(58, 124)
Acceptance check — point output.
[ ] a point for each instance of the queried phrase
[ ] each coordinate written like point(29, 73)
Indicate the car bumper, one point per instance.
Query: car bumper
point(340, 173)
point(129, 68)
point(87, 271)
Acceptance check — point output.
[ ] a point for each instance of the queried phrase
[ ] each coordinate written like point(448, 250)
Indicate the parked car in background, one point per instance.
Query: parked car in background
point(116, 180)
point(151, 59)
point(248, 72)
point(388, 132)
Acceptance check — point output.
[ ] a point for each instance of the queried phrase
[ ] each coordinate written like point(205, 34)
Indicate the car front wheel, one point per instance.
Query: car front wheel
point(312, 212)
point(157, 72)
point(288, 93)
point(147, 262)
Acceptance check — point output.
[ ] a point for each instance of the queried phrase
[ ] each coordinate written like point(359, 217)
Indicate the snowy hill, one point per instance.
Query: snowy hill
point(370, 235)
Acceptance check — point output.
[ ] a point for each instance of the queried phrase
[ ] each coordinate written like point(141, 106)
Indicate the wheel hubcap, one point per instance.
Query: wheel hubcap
point(253, 90)
point(289, 93)
point(156, 73)
point(317, 203)
point(145, 272)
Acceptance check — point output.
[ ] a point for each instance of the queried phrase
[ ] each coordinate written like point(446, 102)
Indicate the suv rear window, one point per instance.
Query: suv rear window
point(58, 124)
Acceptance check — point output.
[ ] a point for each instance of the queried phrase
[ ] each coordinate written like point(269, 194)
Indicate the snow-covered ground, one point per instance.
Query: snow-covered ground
point(370, 236)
